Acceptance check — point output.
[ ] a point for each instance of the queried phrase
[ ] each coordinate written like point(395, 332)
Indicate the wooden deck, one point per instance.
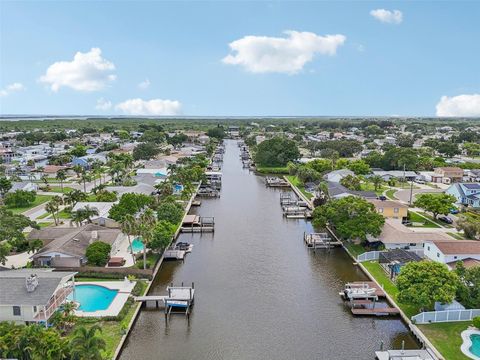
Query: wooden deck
point(375, 311)
point(371, 284)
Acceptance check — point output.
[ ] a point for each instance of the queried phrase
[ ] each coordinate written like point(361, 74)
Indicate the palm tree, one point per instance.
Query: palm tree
point(74, 196)
point(88, 212)
point(147, 223)
point(86, 345)
point(129, 227)
point(376, 180)
point(84, 178)
point(52, 207)
point(78, 217)
point(61, 176)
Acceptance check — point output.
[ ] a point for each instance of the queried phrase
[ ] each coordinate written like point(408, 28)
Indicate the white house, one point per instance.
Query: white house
point(449, 252)
point(32, 295)
point(337, 175)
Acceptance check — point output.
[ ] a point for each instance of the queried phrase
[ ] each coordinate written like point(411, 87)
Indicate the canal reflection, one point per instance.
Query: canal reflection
point(260, 294)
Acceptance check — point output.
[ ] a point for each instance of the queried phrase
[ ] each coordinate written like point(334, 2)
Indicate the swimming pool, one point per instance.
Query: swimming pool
point(137, 245)
point(471, 343)
point(475, 348)
point(92, 297)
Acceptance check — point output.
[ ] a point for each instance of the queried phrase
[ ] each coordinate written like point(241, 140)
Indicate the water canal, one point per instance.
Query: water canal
point(260, 294)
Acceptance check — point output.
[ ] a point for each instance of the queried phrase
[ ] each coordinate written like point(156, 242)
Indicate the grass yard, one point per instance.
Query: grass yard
point(457, 236)
point(446, 338)
point(354, 249)
point(379, 274)
point(416, 218)
point(298, 184)
point(390, 193)
point(367, 186)
point(272, 170)
point(45, 224)
point(64, 215)
point(58, 189)
point(438, 222)
point(39, 199)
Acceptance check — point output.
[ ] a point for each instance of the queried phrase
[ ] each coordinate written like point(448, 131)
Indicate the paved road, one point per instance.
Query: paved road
point(404, 195)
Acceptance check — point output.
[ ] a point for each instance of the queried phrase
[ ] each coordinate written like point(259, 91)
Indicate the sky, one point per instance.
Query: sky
point(240, 58)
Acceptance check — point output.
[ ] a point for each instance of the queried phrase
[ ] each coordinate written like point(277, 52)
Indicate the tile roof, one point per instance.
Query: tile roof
point(458, 247)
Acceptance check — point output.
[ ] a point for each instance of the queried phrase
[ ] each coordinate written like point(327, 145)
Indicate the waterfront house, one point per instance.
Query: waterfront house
point(447, 175)
point(395, 174)
point(32, 295)
point(395, 235)
point(467, 194)
point(450, 252)
point(390, 209)
point(337, 190)
point(66, 247)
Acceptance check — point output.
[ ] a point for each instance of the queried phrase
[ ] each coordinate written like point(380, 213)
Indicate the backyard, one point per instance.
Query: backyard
point(446, 338)
point(421, 221)
point(39, 199)
point(294, 180)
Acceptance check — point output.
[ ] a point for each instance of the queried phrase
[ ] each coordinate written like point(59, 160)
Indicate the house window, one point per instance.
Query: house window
point(34, 309)
point(438, 254)
point(380, 210)
point(395, 210)
point(455, 257)
point(428, 248)
point(16, 311)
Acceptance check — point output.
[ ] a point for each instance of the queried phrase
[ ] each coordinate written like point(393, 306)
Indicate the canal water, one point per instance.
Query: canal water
point(260, 294)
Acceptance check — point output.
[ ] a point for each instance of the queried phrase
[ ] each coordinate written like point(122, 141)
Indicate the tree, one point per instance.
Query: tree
point(79, 150)
point(147, 222)
point(130, 203)
point(276, 152)
point(376, 180)
point(331, 155)
point(98, 253)
point(217, 132)
point(351, 182)
point(130, 227)
point(425, 282)
point(359, 167)
point(61, 176)
point(86, 345)
point(470, 227)
point(20, 198)
point(145, 151)
point(5, 186)
point(162, 235)
point(468, 291)
point(170, 211)
point(307, 174)
point(435, 203)
point(351, 217)
point(53, 206)
point(472, 149)
point(74, 196)
point(405, 140)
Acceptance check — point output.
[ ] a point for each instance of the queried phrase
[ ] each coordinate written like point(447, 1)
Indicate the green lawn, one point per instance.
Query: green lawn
point(446, 338)
point(354, 249)
point(272, 169)
point(45, 224)
point(457, 236)
point(66, 189)
point(379, 274)
point(298, 184)
point(64, 215)
point(390, 193)
point(39, 199)
point(367, 186)
point(438, 222)
point(416, 218)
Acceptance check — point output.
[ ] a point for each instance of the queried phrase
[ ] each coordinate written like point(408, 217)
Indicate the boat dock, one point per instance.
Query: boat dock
point(320, 241)
point(357, 287)
point(197, 224)
point(206, 191)
point(174, 254)
point(276, 182)
point(296, 212)
point(371, 308)
point(417, 354)
point(180, 299)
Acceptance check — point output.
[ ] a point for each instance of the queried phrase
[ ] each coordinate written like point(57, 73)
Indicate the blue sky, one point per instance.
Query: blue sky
point(421, 60)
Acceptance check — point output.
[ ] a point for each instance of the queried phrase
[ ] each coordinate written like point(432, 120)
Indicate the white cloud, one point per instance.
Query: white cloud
point(387, 16)
point(144, 84)
point(103, 104)
point(263, 54)
point(86, 72)
point(14, 87)
point(150, 107)
point(461, 105)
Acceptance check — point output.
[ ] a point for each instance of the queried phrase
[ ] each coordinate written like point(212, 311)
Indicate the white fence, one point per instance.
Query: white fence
point(375, 255)
point(445, 316)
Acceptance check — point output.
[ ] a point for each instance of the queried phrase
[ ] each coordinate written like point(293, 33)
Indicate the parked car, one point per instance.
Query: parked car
point(445, 219)
point(382, 197)
point(454, 211)
point(420, 181)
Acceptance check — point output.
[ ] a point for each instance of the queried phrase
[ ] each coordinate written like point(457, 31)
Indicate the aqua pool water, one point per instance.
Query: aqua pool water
point(475, 348)
point(137, 245)
point(92, 297)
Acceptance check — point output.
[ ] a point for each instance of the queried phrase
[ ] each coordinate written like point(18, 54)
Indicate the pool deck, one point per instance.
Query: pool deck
point(124, 288)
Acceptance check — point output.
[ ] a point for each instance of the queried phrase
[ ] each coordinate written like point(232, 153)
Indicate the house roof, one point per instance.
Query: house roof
point(458, 247)
point(52, 169)
point(471, 186)
point(75, 241)
point(387, 204)
point(394, 232)
point(338, 190)
point(467, 263)
point(102, 207)
point(14, 292)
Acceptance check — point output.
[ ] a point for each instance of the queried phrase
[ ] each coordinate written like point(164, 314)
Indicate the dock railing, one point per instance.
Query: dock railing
point(445, 316)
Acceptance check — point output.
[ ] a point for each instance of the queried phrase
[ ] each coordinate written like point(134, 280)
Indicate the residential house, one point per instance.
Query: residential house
point(395, 174)
point(395, 235)
point(336, 191)
point(450, 252)
point(103, 208)
point(24, 185)
point(85, 161)
point(337, 175)
point(390, 209)
point(33, 295)
point(66, 247)
point(467, 194)
point(447, 175)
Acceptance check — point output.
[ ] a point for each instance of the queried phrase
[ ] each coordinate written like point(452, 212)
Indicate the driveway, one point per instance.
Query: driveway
point(404, 195)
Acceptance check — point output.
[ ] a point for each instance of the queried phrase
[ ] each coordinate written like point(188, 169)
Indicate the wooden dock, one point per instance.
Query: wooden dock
point(276, 182)
point(198, 224)
point(320, 241)
point(379, 292)
point(385, 311)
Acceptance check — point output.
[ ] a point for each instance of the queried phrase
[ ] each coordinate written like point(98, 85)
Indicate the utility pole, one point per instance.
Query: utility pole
point(411, 193)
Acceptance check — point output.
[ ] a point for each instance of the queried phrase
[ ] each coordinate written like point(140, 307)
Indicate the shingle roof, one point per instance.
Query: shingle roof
point(472, 186)
point(387, 203)
point(471, 247)
point(394, 232)
point(14, 292)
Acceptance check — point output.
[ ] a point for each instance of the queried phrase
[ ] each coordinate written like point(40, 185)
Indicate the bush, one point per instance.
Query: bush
point(19, 198)
point(139, 288)
point(170, 211)
point(139, 264)
point(476, 322)
point(98, 253)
